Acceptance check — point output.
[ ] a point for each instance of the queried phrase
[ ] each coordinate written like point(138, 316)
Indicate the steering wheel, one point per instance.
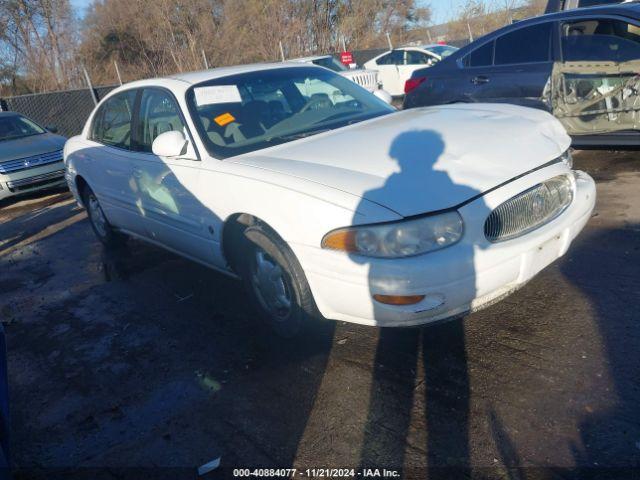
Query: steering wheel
point(313, 102)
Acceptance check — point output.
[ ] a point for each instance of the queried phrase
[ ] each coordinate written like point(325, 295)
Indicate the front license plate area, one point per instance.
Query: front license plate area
point(545, 254)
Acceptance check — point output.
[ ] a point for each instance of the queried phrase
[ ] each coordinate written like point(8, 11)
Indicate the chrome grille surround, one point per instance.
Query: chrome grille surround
point(529, 210)
point(18, 164)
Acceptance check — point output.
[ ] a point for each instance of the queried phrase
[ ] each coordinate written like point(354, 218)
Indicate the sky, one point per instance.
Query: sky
point(442, 10)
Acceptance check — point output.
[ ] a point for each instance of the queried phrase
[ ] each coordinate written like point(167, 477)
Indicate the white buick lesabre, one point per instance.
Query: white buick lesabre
point(325, 200)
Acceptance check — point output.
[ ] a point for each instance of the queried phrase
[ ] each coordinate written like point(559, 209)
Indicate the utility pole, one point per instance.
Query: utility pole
point(204, 58)
point(470, 33)
point(282, 52)
point(115, 64)
point(91, 90)
point(389, 40)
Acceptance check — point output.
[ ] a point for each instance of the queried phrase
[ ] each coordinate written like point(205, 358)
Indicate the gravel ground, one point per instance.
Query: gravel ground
point(139, 364)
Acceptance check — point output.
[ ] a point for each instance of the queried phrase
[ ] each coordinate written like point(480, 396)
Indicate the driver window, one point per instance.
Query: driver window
point(158, 114)
point(112, 123)
point(600, 40)
point(419, 58)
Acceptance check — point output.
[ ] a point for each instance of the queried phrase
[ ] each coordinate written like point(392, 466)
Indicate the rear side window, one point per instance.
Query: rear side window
point(112, 123)
point(480, 57)
point(525, 45)
point(419, 58)
point(158, 114)
point(600, 40)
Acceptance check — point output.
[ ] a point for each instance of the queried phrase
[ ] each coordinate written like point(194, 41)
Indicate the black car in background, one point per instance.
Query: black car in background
point(582, 65)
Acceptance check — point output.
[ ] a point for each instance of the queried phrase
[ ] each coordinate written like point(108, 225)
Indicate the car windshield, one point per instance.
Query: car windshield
point(16, 126)
point(442, 51)
point(251, 111)
point(330, 63)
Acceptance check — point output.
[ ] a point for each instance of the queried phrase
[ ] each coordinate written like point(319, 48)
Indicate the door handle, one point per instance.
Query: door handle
point(137, 173)
point(480, 80)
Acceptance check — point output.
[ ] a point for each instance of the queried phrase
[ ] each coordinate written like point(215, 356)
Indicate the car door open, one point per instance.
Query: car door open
point(595, 89)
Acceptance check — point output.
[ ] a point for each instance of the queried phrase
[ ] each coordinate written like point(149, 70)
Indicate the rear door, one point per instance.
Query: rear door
point(521, 65)
point(595, 87)
point(109, 160)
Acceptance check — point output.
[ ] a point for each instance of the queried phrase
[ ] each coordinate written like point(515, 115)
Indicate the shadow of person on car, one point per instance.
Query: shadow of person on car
point(397, 385)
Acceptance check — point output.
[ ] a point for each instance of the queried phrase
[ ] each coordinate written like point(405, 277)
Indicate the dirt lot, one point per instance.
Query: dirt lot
point(151, 365)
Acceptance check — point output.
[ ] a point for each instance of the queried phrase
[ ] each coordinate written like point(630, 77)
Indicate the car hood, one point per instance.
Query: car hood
point(30, 146)
point(422, 160)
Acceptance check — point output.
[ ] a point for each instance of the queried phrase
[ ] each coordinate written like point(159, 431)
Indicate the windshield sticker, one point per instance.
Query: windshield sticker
point(224, 119)
point(217, 94)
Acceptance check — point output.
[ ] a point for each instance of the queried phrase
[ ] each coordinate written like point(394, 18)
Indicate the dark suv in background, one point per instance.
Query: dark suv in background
point(582, 65)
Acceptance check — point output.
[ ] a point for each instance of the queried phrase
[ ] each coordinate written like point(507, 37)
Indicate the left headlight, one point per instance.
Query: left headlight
point(398, 239)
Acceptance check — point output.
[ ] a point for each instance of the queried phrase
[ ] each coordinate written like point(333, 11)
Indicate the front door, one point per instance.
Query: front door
point(388, 67)
point(594, 89)
point(166, 189)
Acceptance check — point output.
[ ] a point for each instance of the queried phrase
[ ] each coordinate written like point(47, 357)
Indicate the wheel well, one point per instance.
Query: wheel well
point(233, 238)
point(81, 184)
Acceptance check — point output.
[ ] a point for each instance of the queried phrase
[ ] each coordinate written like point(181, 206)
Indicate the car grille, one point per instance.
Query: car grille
point(35, 182)
point(368, 80)
point(30, 162)
point(529, 210)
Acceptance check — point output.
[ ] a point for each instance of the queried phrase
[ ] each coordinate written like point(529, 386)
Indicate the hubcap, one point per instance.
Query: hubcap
point(97, 217)
point(270, 285)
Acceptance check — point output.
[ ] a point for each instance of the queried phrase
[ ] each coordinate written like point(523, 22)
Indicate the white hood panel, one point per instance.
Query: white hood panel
point(422, 160)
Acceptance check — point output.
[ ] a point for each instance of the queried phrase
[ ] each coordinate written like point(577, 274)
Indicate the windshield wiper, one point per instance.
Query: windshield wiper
point(297, 136)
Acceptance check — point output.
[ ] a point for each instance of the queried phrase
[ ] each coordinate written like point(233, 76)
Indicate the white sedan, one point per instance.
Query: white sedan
point(396, 66)
point(331, 206)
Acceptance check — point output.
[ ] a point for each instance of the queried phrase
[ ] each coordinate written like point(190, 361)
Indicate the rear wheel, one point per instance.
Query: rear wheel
point(276, 282)
point(99, 223)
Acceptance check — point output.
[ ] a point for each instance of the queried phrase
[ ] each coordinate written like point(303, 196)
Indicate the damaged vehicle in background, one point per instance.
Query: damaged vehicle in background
point(581, 65)
point(336, 207)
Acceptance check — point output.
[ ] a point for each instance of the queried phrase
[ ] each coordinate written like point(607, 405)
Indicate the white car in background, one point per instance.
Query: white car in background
point(396, 66)
point(367, 79)
point(345, 210)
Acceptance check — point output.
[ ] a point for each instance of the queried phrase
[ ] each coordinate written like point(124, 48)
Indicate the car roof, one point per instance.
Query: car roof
point(309, 59)
point(9, 114)
point(213, 73)
point(630, 9)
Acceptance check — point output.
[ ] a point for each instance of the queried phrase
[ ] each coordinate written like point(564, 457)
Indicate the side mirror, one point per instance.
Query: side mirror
point(52, 128)
point(383, 95)
point(170, 144)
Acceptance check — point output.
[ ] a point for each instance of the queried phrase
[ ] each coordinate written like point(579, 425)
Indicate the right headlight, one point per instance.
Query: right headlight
point(405, 238)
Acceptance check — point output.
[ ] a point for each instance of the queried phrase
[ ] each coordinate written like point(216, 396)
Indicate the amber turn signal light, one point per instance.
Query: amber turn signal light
point(399, 299)
point(344, 240)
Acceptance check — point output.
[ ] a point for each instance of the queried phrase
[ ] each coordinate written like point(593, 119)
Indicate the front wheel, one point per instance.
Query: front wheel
point(99, 223)
point(276, 282)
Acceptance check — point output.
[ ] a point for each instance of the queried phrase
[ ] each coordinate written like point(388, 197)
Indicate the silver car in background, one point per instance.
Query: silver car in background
point(30, 156)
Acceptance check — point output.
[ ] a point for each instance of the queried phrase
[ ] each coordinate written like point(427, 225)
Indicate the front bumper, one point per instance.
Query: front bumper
point(465, 277)
point(32, 179)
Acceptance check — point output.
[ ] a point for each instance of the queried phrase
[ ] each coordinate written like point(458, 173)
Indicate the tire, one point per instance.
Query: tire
point(276, 283)
point(101, 227)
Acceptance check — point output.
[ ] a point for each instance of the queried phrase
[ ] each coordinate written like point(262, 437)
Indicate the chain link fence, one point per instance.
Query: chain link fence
point(66, 110)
